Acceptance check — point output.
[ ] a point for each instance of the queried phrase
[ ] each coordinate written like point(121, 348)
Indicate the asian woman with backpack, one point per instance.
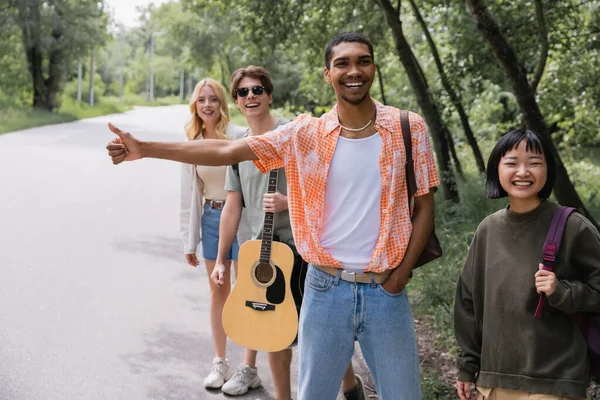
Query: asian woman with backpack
point(507, 349)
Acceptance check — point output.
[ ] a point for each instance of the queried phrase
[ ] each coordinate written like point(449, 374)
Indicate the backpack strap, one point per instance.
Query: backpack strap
point(411, 182)
point(552, 245)
point(236, 169)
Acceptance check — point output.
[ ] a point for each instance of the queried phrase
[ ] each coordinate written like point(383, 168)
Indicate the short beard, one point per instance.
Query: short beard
point(355, 101)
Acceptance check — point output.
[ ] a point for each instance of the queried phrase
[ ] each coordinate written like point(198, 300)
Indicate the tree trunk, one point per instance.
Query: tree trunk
point(181, 83)
point(45, 91)
point(29, 22)
point(424, 99)
point(35, 61)
point(55, 72)
point(79, 73)
point(224, 76)
point(545, 45)
point(454, 97)
point(230, 68)
point(92, 73)
point(455, 159)
point(381, 86)
point(564, 190)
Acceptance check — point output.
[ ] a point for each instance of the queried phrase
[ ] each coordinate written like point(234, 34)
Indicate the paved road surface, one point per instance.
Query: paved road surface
point(96, 302)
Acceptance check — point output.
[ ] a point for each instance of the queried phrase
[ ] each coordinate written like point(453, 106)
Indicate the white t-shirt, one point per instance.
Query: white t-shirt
point(352, 201)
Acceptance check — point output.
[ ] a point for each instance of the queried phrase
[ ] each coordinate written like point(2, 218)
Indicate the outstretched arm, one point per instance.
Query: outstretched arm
point(199, 152)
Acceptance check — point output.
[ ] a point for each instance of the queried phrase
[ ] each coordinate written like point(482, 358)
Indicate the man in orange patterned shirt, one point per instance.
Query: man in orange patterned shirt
point(348, 204)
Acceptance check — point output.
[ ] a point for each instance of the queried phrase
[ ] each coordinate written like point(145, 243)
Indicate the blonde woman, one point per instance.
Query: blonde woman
point(202, 200)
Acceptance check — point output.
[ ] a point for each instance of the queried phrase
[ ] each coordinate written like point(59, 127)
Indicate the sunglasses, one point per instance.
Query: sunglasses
point(243, 92)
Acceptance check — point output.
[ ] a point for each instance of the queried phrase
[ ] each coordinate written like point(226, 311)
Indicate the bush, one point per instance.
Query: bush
point(104, 106)
point(432, 289)
point(70, 89)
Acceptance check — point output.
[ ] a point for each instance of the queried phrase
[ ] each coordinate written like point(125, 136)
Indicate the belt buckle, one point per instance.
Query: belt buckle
point(346, 274)
point(216, 203)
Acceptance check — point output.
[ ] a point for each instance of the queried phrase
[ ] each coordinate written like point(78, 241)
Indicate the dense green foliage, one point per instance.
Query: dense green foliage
point(213, 38)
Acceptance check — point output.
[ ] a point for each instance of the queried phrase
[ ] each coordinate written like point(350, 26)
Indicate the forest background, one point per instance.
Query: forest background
point(474, 69)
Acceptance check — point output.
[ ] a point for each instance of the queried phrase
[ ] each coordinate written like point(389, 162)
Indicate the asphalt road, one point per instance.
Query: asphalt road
point(96, 301)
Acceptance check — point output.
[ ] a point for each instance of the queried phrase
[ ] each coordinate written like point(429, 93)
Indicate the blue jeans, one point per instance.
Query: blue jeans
point(334, 314)
point(211, 220)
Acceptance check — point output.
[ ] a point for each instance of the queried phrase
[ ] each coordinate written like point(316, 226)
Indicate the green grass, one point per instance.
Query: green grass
point(15, 119)
point(432, 289)
point(18, 118)
point(105, 106)
point(434, 387)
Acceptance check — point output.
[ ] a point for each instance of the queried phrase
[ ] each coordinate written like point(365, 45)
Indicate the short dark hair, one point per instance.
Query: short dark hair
point(535, 143)
point(251, 71)
point(346, 37)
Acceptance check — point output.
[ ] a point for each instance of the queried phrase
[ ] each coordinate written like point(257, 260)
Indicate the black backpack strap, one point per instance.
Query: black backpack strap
point(411, 182)
point(236, 169)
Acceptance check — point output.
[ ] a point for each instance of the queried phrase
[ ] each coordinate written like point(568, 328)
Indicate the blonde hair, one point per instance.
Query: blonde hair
point(194, 128)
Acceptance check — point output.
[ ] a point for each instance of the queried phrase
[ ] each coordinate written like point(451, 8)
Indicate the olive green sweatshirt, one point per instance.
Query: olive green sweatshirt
point(502, 344)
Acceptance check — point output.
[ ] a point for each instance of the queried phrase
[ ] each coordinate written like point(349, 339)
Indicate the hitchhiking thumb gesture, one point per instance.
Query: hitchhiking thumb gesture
point(545, 281)
point(124, 147)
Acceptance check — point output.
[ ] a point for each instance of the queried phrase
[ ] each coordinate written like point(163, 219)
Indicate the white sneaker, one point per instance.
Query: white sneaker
point(219, 373)
point(245, 378)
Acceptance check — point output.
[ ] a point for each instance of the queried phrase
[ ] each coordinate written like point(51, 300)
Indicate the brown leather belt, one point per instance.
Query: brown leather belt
point(219, 204)
point(378, 277)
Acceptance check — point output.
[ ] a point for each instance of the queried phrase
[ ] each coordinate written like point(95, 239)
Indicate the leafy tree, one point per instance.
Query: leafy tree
point(14, 85)
point(524, 89)
point(452, 92)
point(54, 33)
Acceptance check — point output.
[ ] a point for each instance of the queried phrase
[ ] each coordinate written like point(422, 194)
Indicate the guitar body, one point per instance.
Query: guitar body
point(260, 313)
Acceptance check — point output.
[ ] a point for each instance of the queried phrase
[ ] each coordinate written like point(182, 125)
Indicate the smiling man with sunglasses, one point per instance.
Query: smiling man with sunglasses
point(348, 201)
point(252, 89)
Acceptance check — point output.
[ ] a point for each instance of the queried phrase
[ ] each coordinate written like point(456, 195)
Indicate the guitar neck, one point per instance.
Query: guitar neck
point(268, 224)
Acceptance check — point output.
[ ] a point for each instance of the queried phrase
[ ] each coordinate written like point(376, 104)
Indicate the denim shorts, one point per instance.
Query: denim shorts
point(210, 235)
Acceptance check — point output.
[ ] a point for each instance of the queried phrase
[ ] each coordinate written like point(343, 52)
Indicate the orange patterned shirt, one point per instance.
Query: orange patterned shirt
point(305, 148)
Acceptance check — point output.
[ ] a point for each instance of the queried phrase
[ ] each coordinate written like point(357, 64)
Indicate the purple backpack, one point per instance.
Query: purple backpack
point(589, 323)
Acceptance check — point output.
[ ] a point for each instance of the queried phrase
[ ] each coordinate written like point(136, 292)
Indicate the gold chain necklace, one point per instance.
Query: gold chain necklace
point(357, 129)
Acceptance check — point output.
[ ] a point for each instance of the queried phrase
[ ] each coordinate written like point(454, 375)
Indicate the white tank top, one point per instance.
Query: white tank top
point(352, 199)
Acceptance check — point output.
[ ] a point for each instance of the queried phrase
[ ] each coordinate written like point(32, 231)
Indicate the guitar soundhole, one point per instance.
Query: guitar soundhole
point(263, 273)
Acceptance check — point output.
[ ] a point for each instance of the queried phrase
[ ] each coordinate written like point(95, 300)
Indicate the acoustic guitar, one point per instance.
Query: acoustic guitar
point(261, 313)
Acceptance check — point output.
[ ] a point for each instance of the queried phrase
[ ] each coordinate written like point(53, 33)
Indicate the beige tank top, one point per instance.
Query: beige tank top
point(214, 181)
